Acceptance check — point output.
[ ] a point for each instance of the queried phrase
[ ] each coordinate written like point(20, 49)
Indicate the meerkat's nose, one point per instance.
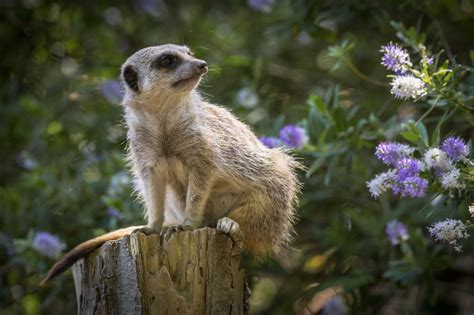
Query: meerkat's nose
point(201, 66)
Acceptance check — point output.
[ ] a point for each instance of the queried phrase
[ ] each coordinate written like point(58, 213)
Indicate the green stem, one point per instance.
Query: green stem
point(356, 71)
point(445, 117)
point(428, 111)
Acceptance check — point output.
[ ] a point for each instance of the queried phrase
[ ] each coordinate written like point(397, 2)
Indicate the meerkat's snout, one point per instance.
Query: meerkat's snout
point(201, 66)
point(189, 73)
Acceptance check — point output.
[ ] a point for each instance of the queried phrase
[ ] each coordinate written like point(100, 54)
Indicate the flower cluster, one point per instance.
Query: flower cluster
point(395, 58)
point(407, 86)
point(404, 84)
point(48, 245)
point(290, 135)
point(443, 162)
point(396, 232)
point(455, 148)
point(450, 231)
point(405, 178)
point(391, 152)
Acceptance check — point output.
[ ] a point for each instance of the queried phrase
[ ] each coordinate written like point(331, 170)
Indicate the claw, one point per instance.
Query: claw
point(232, 229)
point(145, 230)
point(168, 231)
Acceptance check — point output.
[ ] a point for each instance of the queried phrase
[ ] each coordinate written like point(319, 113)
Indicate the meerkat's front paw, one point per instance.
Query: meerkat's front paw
point(167, 231)
point(232, 228)
point(145, 230)
point(176, 228)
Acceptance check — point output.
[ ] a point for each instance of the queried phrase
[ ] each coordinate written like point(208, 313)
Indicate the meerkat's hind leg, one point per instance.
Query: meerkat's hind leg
point(232, 229)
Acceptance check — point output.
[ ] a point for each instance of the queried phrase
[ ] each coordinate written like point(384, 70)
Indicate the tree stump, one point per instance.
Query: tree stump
point(191, 272)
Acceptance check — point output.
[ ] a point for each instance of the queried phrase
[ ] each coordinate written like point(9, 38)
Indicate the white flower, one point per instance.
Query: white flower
point(247, 98)
point(450, 179)
point(471, 210)
point(406, 87)
point(437, 159)
point(381, 183)
point(450, 231)
point(405, 150)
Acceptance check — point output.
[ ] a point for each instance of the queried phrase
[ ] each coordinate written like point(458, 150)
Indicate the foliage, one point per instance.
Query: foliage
point(312, 67)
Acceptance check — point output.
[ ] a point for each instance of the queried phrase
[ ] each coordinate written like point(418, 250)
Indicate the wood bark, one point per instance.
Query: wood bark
point(190, 272)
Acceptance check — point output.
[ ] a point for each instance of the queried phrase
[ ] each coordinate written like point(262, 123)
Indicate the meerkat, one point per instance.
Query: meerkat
point(194, 163)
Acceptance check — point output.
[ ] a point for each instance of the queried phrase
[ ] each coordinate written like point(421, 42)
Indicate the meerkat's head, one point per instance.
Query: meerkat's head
point(161, 71)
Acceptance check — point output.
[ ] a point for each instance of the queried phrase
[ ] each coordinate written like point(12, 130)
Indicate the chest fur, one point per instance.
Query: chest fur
point(166, 137)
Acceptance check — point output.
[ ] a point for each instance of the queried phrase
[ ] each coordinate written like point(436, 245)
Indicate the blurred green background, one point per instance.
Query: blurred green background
point(62, 139)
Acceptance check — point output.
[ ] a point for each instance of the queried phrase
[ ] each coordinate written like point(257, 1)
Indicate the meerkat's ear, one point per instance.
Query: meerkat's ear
point(130, 76)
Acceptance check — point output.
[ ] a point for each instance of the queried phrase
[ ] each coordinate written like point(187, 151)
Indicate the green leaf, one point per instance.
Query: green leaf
point(320, 104)
point(410, 136)
point(411, 132)
point(435, 137)
point(31, 304)
point(330, 171)
point(340, 121)
point(54, 128)
point(316, 166)
point(335, 96)
point(238, 60)
point(315, 124)
point(443, 71)
point(423, 134)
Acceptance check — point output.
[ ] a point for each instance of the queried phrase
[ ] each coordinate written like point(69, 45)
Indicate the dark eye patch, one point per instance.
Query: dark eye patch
point(167, 61)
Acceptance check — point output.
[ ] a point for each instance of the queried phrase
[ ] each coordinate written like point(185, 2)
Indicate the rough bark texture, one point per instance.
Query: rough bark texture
point(192, 272)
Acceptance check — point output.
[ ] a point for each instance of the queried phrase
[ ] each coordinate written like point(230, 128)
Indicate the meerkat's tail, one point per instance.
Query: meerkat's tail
point(83, 250)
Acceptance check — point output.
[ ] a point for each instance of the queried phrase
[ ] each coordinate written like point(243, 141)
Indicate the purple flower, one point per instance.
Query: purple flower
point(271, 142)
point(335, 306)
point(151, 7)
point(112, 91)
point(407, 167)
point(430, 60)
point(261, 5)
point(293, 136)
point(113, 212)
point(48, 244)
point(391, 152)
point(396, 232)
point(395, 58)
point(455, 148)
point(411, 187)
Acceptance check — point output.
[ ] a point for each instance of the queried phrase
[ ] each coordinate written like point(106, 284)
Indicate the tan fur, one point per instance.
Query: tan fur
point(195, 163)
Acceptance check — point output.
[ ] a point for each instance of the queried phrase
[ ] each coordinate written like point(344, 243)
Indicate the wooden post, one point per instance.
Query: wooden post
point(192, 272)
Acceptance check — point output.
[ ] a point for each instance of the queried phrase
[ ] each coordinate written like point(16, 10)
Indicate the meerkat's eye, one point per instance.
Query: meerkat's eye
point(168, 61)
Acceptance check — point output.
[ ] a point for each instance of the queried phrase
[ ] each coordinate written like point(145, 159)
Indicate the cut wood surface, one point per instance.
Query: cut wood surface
point(190, 272)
